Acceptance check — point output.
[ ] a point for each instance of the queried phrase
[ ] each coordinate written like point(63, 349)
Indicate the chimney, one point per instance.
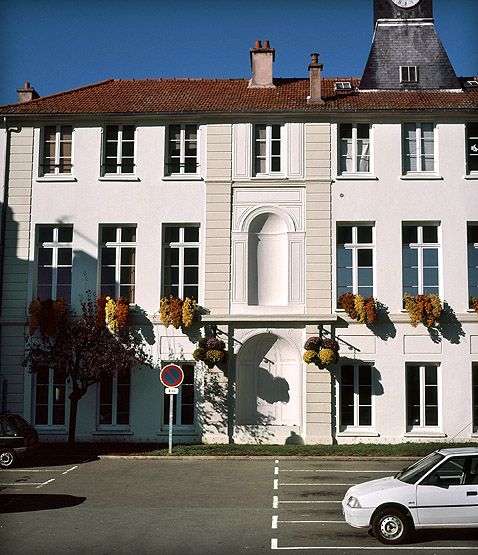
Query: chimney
point(315, 68)
point(262, 58)
point(26, 94)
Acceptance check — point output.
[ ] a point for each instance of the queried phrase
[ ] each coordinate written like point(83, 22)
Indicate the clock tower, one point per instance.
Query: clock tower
point(406, 52)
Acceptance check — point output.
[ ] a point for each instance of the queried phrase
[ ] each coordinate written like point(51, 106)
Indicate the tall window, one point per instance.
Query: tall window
point(408, 74)
point(472, 147)
point(183, 402)
point(50, 397)
point(182, 156)
point(420, 259)
point(475, 396)
point(355, 254)
point(119, 149)
point(472, 240)
point(54, 262)
point(356, 392)
point(118, 261)
point(267, 149)
point(418, 147)
point(57, 142)
point(422, 396)
point(181, 261)
point(354, 141)
point(114, 393)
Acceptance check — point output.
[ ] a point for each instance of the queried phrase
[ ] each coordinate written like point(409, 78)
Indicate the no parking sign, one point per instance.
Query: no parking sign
point(171, 375)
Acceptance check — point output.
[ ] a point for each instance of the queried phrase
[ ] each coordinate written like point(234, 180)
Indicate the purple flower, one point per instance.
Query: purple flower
point(313, 344)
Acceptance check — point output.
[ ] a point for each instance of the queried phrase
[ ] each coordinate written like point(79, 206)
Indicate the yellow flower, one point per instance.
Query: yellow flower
point(309, 356)
point(327, 356)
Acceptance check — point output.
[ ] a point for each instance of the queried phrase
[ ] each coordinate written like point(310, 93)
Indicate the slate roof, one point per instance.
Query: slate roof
point(180, 96)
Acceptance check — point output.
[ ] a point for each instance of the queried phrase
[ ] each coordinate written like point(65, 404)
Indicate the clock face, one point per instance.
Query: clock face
point(405, 3)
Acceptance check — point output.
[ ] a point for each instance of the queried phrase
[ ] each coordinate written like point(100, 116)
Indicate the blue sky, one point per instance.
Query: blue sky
point(58, 45)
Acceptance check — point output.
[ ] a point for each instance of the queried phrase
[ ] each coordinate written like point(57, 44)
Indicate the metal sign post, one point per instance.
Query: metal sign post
point(171, 377)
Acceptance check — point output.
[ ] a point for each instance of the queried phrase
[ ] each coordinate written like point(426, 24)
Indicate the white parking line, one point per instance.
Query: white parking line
point(275, 545)
point(70, 469)
point(337, 471)
point(312, 501)
point(320, 484)
point(45, 483)
point(311, 522)
point(23, 484)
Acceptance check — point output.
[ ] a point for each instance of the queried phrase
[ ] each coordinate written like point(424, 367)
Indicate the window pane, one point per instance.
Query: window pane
point(128, 255)
point(365, 257)
point(364, 234)
point(345, 130)
point(191, 234)
point(344, 235)
point(128, 234)
point(260, 132)
point(171, 234)
point(191, 256)
point(430, 234)
point(45, 257)
point(409, 234)
point(108, 234)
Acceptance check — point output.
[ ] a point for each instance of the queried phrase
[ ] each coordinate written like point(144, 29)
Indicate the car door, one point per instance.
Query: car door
point(449, 494)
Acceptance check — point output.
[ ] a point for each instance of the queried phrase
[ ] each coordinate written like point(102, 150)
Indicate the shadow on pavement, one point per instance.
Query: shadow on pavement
point(25, 502)
point(451, 534)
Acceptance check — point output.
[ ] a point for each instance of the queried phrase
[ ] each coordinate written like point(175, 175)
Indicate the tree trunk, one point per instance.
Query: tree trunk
point(74, 398)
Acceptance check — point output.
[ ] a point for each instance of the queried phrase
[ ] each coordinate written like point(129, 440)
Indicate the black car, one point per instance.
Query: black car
point(17, 438)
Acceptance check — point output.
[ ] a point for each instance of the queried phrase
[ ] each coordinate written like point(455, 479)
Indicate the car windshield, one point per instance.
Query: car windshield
point(414, 472)
point(19, 423)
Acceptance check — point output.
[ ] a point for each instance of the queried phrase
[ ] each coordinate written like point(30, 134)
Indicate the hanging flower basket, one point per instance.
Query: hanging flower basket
point(211, 351)
point(47, 316)
point(115, 312)
point(425, 309)
point(362, 309)
point(321, 352)
point(176, 312)
point(474, 303)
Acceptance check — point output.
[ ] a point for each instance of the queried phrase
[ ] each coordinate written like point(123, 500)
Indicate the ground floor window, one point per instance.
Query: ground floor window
point(49, 397)
point(422, 396)
point(356, 396)
point(475, 396)
point(114, 395)
point(183, 402)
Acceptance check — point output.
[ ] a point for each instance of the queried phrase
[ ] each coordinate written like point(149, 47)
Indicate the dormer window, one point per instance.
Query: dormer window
point(343, 86)
point(408, 74)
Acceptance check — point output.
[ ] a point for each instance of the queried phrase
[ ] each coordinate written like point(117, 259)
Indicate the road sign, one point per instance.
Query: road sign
point(171, 390)
point(171, 375)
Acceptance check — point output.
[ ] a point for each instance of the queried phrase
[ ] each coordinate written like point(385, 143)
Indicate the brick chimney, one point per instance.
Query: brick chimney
point(262, 58)
point(315, 68)
point(26, 94)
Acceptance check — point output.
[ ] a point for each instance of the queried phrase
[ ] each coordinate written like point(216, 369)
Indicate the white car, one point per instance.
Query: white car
point(438, 491)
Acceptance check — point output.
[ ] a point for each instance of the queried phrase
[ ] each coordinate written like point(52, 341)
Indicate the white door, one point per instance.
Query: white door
point(449, 495)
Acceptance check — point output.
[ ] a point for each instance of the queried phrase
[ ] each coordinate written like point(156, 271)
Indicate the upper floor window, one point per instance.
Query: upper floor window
point(420, 259)
point(56, 150)
point(418, 147)
point(355, 254)
point(118, 261)
point(114, 395)
point(181, 261)
point(54, 262)
point(356, 394)
point(472, 147)
point(49, 396)
point(472, 243)
point(408, 74)
point(354, 139)
point(182, 155)
point(268, 149)
point(422, 396)
point(119, 155)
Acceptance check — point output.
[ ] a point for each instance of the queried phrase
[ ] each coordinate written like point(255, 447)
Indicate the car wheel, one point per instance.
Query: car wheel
point(7, 458)
point(391, 526)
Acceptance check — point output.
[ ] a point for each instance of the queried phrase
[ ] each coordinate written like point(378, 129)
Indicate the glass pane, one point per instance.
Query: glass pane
point(191, 132)
point(171, 257)
point(128, 234)
point(175, 132)
point(128, 255)
point(365, 257)
point(111, 132)
point(275, 165)
point(344, 235)
point(365, 277)
point(191, 234)
point(344, 258)
point(108, 256)
point(128, 132)
point(409, 257)
point(430, 234)
point(127, 275)
point(174, 165)
point(364, 234)
point(472, 233)
point(409, 234)
point(190, 165)
point(41, 414)
point(127, 291)
point(108, 234)
point(127, 166)
point(191, 275)
point(365, 416)
point(108, 276)
point(430, 277)
point(260, 132)
point(64, 276)
point(127, 150)
point(45, 257)
point(45, 234)
point(345, 130)
point(347, 374)
point(64, 257)
point(430, 257)
point(431, 416)
point(65, 234)
point(363, 130)
point(50, 133)
point(344, 277)
point(191, 256)
point(44, 275)
point(191, 291)
point(64, 292)
point(431, 375)
point(171, 234)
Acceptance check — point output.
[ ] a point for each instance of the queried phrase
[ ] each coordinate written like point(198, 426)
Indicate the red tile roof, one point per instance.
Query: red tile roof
point(152, 96)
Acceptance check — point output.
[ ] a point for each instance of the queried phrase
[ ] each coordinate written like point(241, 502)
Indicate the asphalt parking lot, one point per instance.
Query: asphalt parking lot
point(195, 506)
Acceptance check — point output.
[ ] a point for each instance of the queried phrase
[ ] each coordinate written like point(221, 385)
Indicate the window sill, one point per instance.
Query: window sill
point(52, 178)
point(358, 432)
point(178, 430)
point(422, 175)
point(356, 176)
point(424, 434)
point(118, 177)
point(51, 431)
point(113, 431)
point(471, 176)
point(183, 177)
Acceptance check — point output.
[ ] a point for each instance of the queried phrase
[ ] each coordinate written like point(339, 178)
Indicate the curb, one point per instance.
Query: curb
point(254, 457)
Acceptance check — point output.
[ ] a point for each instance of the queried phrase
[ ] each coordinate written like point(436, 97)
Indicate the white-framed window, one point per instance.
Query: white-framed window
point(354, 148)
point(356, 396)
point(184, 402)
point(49, 398)
point(54, 251)
point(182, 150)
point(474, 371)
point(118, 261)
point(355, 259)
point(423, 396)
point(181, 260)
point(56, 158)
point(472, 147)
point(472, 247)
point(418, 147)
point(114, 399)
point(119, 150)
point(420, 259)
point(408, 74)
point(268, 149)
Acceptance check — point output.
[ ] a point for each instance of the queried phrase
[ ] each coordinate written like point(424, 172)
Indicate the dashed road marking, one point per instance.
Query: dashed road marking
point(45, 483)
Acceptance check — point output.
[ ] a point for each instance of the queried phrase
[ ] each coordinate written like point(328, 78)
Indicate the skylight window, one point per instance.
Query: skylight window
point(343, 86)
point(471, 83)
